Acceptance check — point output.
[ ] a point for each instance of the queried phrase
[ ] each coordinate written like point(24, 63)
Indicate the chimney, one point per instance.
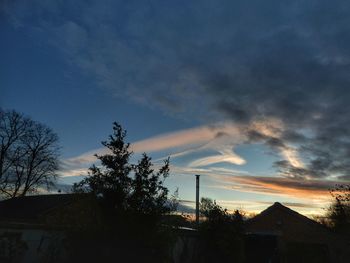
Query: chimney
point(197, 199)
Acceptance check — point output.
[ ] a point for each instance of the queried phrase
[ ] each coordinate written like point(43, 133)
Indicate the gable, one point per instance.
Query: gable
point(282, 221)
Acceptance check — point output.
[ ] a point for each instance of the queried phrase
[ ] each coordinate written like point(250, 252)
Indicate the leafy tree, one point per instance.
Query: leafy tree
point(133, 199)
point(211, 210)
point(112, 182)
point(338, 213)
point(29, 154)
point(149, 195)
point(126, 187)
point(221, 233)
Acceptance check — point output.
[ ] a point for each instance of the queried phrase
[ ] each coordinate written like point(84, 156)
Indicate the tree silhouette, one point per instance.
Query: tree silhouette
point(126, 187)
point(133, 199)
point(112, 182)
point(149, 195)
point(221, 233)
point(339, 211)
point(28, 155)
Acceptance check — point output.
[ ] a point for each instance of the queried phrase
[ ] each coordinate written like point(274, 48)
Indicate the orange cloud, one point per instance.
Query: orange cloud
point(306, 189)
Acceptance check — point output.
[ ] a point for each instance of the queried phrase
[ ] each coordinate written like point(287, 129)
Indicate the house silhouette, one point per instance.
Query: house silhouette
point(280, 234)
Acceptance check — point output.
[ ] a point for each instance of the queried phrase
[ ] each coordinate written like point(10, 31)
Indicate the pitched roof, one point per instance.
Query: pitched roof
point(278, 207)
point(278, 219)
point(29, 208)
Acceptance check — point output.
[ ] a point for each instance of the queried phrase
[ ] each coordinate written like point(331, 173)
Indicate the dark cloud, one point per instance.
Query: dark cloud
point(294, 67)
point(289, 170)
point(236, 60)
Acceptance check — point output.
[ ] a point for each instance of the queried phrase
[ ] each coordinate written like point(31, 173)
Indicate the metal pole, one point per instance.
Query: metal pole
point(197, 199)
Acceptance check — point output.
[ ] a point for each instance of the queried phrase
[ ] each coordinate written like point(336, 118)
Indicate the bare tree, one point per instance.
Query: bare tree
point(28, 155)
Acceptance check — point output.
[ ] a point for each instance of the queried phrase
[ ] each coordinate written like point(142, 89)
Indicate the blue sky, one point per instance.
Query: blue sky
point(252, 96)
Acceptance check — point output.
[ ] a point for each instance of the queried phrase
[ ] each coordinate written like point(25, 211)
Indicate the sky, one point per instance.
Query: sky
point(252, 95)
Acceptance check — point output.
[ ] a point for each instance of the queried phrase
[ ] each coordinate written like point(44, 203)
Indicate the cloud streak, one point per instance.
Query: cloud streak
point(188, 141)
point(217, 141)
point(277, 72)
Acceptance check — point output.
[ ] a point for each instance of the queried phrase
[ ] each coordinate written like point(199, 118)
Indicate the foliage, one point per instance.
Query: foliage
point(126, 187)
point(28, 155)
point(211, 210)
point(221, 233)
point(341, 192)
point(338, 213)
point(133, 200)
point(148, 195)
point(112, 182)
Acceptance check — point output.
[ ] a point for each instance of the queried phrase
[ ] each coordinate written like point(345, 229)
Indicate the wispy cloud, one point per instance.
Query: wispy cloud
point(266, 61)
point(306, 196)
point(290, 187)
point(312, 190)
point(268, 73)
point(222, 139)
point(185, 138)
point(226, 156)
point(217, 141)
point(188, 140)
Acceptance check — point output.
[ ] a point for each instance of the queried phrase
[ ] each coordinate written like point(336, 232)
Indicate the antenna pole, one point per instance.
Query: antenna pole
point(197, 199)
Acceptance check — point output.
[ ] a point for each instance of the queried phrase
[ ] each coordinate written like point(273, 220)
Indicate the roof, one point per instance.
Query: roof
point(281, 220)
point(278, 207)
point(29, 209)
